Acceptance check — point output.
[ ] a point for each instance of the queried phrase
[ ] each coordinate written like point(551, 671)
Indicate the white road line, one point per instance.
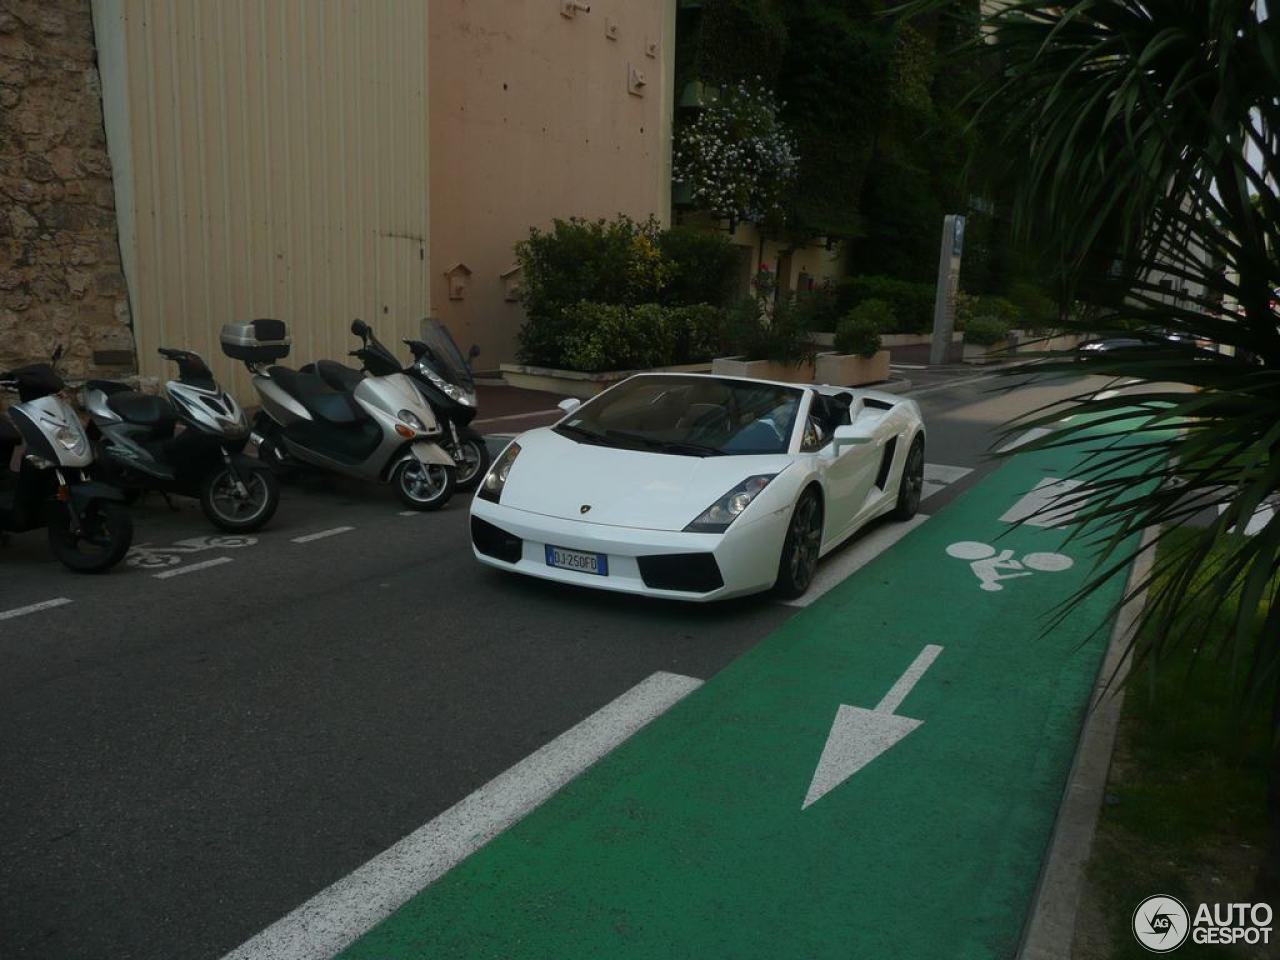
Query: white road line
point(321, 535)
point(848, 560)
point(892, 700)
point(1032, 435)
point(1047, 491)
point(34, 608)
point(939, 476)
point(192, 568)
point(337, 916)
point(909, 366)
point(1261, 517)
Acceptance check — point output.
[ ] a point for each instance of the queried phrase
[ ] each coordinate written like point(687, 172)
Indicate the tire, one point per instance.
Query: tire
point(107, 533)
point(911, 486)
point(471, 469)
point(801, 547)
point(229, 511)
point(423, 486)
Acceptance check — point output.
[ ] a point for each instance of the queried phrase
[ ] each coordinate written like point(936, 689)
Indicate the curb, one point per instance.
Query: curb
point(1050, 930)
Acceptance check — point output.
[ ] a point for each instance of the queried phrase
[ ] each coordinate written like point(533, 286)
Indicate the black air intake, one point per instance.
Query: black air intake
point(495, 542)
point(690, 572)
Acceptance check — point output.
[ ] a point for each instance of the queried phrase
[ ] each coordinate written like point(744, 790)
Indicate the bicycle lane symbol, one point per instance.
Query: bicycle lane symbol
point(146, 556)
point(992, 567)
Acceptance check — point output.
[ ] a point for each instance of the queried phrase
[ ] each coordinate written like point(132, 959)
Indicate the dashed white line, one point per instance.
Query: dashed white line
point(334, 918)
point(34, 608)
point(320, 535)
point(192, 568)
point(1032, 435)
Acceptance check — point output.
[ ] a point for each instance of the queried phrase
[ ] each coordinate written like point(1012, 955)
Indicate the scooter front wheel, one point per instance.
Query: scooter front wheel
point(240, 505)
point(473, 460)
point(106, 532)
point(423, 486)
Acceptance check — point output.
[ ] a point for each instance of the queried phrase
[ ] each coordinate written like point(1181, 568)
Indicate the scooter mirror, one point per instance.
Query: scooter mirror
point(360, 328)
point(473, 352)
point(57, 354)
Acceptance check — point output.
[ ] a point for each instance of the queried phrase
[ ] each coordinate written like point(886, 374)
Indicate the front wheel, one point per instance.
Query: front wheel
point(240, 504)
point(473, 458)
point(423, 486)
point(104, 537)
point(801, 547)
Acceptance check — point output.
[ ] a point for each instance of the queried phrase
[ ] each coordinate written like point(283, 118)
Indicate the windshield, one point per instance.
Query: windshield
point(689, 416)
point(446, 355)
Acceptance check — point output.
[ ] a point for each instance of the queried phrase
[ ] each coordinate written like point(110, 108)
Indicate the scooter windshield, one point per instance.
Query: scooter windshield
point(446, 353)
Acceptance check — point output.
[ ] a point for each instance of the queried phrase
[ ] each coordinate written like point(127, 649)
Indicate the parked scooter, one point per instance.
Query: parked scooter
point(89, 528)
point(336, 418)
point(444, 377)
point(139, 449)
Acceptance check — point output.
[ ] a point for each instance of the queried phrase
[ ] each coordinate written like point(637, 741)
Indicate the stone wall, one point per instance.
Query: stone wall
point(60, 275)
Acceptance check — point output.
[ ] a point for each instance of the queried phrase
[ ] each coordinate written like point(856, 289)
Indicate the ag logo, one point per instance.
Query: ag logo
point(1161, 924)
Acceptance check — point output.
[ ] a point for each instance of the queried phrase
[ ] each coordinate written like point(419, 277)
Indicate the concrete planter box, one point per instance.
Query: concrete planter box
point(890, 340)
point(850, 370)
point(762, 370)
point(574, 383)
point(1026, 341)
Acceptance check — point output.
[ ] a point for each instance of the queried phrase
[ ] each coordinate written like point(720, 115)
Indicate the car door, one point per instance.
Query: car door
point(849, 473)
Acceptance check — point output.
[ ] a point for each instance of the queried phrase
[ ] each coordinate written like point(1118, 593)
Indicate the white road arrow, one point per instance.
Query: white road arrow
point(859, 735)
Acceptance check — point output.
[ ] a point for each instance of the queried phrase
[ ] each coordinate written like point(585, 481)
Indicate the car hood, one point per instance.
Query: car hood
point(557, 477)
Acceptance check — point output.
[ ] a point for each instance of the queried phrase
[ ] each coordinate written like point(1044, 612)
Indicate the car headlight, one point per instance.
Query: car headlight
point(409, 417)
point(717, 517)
point(70, 439)
point(496, 479)
point(444, 386)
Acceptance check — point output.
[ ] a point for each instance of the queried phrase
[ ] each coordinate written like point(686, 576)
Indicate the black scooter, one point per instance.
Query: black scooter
point(89, 527)
point(444, 378)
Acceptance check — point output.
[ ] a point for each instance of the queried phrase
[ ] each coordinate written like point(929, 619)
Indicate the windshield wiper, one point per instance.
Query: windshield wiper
point(579, 433)
point(668, 446)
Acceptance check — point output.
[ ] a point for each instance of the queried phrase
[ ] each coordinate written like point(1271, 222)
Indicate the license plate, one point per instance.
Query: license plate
point(597, 563)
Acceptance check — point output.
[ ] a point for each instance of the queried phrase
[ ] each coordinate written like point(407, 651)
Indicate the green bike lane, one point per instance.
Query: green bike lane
point(879, 778)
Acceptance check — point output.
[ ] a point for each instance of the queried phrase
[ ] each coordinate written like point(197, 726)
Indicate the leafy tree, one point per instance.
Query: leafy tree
point(1142, 136)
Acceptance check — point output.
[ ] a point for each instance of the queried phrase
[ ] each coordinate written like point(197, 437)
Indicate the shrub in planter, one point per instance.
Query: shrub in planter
point(986, 330)
point(1036, 308)
point(607, 336)
point(911, 303)
point(819, 309)
point(969, 309)
point(599, 261)
point(757, 334)
point(858, 334)
point(702, 267)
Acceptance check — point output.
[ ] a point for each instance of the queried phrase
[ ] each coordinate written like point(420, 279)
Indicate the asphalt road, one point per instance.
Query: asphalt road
point(186, 758)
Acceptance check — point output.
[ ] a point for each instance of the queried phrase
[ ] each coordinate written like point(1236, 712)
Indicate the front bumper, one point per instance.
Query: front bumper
point(746, 556)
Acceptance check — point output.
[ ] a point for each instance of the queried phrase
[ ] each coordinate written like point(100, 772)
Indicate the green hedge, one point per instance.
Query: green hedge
point(910, 303)
point(858, 333)
point(573, 271)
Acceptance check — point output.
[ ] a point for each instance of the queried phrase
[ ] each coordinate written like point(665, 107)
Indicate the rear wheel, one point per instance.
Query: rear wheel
point(911, 487)
point(423, 486)
point(473, 460)
point(801, 547)
point(106, 532)
point(242, 505)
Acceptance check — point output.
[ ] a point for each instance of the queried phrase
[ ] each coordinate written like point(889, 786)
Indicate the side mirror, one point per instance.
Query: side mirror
point(359, 328)
point(569, 404)
point(57, 353)
point(852, 435)
point(473, 352)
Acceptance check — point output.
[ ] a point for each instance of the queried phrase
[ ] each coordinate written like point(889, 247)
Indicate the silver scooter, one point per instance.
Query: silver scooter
point(335, 418)
point(140, 448)
point(89, 528)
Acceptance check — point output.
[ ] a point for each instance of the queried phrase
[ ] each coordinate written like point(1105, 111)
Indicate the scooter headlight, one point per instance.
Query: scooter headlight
point(496, 479)
point(450, 390)
point(69, 439)
point(409, 417)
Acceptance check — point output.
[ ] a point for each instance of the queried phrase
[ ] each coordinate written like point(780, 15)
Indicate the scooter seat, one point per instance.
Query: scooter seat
point(339, 377)
point(108, 386)
point(316, 396)
point(143, 410)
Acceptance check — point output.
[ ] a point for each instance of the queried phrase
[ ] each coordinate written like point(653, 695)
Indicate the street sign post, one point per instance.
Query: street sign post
point(948, 285)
